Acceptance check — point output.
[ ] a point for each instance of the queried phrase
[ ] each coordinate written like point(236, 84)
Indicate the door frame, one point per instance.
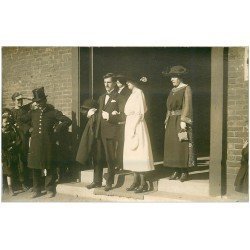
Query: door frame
point(218, 115)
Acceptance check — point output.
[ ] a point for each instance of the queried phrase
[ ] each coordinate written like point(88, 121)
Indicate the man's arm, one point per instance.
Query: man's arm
point(65, 121)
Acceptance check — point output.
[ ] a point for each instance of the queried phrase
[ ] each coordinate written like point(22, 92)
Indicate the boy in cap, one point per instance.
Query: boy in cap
point(23, 129)
point(10, 150)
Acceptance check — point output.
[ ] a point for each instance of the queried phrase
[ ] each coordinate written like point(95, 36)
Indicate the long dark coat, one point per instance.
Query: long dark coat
point(86, 146)
point(179, 105)
point(42, 145)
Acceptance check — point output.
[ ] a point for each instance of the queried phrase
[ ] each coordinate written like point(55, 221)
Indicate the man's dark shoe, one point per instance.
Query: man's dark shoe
point(11, 192)
point(50, 194)
point(94, 185)
point(108, 187)
point(133, 186)
point(142, 188)
point(24, 188)
point(174, 176)
point(118, 169)
point(35, 195)
point(184, 177)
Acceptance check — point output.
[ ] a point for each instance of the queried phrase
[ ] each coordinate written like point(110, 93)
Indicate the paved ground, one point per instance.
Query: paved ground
point(26, 197)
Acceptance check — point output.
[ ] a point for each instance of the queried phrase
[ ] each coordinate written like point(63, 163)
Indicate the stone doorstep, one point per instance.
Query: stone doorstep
point(160, 196)
point(87, 175)
point(159, 182)
point(121, 192)
point(80, 190)
point(125, 179)
point(191, 187)
point(122, 179)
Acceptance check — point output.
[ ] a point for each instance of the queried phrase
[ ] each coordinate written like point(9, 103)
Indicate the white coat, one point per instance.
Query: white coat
point(137, 154)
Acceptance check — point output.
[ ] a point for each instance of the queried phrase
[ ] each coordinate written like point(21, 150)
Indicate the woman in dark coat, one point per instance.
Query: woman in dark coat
point(45, 120)
point(241, 181)
point(178, 145)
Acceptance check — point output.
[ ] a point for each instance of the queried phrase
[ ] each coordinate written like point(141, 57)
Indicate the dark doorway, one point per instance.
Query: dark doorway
point(151, 62)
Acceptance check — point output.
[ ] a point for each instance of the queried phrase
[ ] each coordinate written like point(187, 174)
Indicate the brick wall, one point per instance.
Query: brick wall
point(237, 107)
point(26, 68)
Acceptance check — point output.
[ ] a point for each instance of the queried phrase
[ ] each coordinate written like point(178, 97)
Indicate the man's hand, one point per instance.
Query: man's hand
point(105, 115)
point(91, 112)
point(183, 125)
point(33, 106)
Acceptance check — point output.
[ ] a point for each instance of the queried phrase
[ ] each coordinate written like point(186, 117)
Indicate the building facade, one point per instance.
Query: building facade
point(71, 74)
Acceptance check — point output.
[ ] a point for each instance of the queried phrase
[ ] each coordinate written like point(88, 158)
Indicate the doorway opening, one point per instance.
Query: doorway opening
point(150, 62)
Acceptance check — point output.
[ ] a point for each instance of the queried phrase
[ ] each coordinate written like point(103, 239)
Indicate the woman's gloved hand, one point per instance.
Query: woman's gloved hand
point(183, 125)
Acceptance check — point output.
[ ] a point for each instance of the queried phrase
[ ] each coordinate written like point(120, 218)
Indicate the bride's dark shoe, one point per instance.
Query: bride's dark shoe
point(184, 177)
point(132, 187)
point(141, 189)
point(174, 176)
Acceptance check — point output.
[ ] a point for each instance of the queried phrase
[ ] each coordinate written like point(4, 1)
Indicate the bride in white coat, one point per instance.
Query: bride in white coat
point(137, 154)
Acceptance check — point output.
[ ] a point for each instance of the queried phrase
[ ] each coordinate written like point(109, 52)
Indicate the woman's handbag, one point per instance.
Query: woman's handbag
point(183, 135)
point(134, 142)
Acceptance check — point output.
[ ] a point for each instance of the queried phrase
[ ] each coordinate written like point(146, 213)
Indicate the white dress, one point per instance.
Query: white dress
point(137, 154)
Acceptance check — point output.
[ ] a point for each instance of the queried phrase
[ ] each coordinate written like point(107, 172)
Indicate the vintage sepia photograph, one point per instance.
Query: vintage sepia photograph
point(125, 124)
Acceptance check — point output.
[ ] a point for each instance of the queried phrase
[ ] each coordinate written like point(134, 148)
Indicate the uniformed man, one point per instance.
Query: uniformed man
point(23, 129)
point(45, 121)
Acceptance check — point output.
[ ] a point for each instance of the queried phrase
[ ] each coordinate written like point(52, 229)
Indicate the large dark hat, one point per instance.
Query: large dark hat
point(38, 94)
point(89, 104)
point(175, 71)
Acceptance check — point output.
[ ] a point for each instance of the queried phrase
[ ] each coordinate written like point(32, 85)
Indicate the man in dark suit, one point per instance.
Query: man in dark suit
point(109, 111)
point(124, 94)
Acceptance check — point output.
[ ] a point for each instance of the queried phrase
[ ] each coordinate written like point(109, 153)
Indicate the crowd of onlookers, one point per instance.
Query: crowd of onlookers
point(29, 144)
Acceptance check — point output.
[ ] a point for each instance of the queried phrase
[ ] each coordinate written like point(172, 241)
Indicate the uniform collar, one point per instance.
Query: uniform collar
point(43, 108)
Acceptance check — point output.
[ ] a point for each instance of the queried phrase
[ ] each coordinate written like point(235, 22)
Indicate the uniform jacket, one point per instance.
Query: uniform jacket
point(42, 145)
